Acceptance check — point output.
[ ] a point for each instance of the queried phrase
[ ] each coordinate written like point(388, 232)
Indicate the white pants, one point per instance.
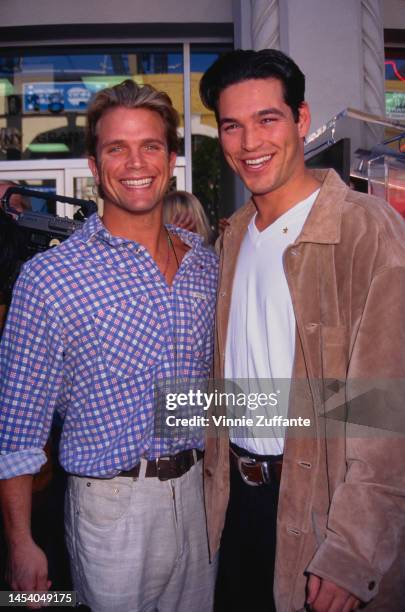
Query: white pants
point(140, 546)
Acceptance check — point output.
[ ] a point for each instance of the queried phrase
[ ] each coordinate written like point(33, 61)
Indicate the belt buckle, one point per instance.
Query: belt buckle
point(264, 470)
point(246, 461)
point(165, 463)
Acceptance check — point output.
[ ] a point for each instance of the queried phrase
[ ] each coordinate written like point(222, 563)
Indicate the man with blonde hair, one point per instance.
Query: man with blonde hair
point(94, 324)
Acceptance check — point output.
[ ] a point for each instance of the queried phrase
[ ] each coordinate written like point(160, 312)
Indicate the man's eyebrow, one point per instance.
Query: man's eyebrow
point(120, 141)
point(261, 113)
point(108, 143)
point(270, 111)
point(154, 141)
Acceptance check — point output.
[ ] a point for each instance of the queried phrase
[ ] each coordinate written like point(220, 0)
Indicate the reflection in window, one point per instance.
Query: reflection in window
point(43, 101)
point(212, 182)
point(395, 92)
point(43, 98)
point(47, 186)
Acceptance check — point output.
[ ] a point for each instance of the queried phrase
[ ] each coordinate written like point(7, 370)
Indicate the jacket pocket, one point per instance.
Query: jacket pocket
point(130, 335)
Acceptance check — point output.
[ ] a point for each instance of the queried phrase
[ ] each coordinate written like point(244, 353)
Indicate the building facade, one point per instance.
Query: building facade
point(54, 55)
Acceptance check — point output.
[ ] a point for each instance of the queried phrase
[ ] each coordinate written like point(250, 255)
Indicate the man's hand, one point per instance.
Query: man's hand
point(326, 596)
point(27, 564)
point(28, 569)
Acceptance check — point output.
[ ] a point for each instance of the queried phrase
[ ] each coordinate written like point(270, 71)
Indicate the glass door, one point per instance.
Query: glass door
point(69, 177)
point(46, 181)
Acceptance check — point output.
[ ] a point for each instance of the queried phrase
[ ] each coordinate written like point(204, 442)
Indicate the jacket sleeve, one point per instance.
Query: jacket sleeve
point(366, 519)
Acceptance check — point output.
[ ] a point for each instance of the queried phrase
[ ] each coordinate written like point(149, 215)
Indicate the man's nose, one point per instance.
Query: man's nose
point(135, 158)
point(251, 138)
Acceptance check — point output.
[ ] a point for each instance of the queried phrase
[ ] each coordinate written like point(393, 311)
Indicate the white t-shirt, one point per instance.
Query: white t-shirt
point(260, 345)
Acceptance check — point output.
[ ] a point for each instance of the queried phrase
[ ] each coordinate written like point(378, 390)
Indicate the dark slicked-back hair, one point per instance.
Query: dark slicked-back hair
point(131, 95)
point(237, 66)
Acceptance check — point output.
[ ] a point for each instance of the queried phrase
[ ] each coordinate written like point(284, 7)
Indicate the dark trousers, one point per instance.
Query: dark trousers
point(248, 546)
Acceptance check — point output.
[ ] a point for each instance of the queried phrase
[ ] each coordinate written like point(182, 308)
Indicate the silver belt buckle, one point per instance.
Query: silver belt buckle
point(265, 472)
point(264, 469)
point(246, 461)
point(159, 467)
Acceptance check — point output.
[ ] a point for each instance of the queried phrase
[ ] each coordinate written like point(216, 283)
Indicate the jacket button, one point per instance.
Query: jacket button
point(310, 326)
point(223, 293)
point(208, 471)
point(293, 531)
point(371, 585)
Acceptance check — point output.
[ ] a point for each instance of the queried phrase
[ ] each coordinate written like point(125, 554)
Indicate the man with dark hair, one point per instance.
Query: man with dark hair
point(312, 297)
point(123, 305)
point(240, 66)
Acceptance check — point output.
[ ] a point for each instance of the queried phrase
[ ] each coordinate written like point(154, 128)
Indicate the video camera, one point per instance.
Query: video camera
point(44, 230)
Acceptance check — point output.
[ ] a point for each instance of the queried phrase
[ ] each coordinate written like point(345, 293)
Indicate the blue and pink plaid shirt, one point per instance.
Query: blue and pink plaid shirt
point(93, 326)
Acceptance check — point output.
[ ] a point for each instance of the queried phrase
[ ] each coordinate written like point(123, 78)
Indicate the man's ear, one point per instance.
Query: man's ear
point(94, 170)
point(304, 119)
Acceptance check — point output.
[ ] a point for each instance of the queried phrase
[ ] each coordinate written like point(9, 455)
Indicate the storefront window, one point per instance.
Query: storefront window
point(43, 97)
point(211, 177)
point(44, 93)
point(395, 92)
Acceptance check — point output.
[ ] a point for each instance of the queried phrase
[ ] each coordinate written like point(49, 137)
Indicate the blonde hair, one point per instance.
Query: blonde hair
point(131, 95)
point(177, 202)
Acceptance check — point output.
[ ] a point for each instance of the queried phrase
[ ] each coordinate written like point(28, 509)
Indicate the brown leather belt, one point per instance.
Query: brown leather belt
point(256, 472)
point(166, 468)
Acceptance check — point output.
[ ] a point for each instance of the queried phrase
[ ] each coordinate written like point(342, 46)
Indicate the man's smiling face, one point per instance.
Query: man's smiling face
point(260, 139)
point(133, 165)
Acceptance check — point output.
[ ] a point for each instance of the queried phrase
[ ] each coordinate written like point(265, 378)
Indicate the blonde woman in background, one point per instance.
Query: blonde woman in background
point(183, 209)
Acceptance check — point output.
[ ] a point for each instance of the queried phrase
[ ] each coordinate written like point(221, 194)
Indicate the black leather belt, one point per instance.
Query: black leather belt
point(256, 470)
point(166, 468)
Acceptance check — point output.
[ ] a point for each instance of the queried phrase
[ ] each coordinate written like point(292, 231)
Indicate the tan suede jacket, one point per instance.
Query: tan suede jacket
point(341, 511)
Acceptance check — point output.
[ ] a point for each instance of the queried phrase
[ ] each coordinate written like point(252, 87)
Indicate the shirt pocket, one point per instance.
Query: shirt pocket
point(130, 335)
point(203, 325)
point(197, 310)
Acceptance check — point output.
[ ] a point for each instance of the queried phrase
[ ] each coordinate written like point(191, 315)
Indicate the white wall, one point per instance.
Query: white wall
point(45, 12)
point(394, 14)
point(324, 38)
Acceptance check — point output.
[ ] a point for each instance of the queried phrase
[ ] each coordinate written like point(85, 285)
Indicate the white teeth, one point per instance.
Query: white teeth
point(259, 160)
point(137, 182)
